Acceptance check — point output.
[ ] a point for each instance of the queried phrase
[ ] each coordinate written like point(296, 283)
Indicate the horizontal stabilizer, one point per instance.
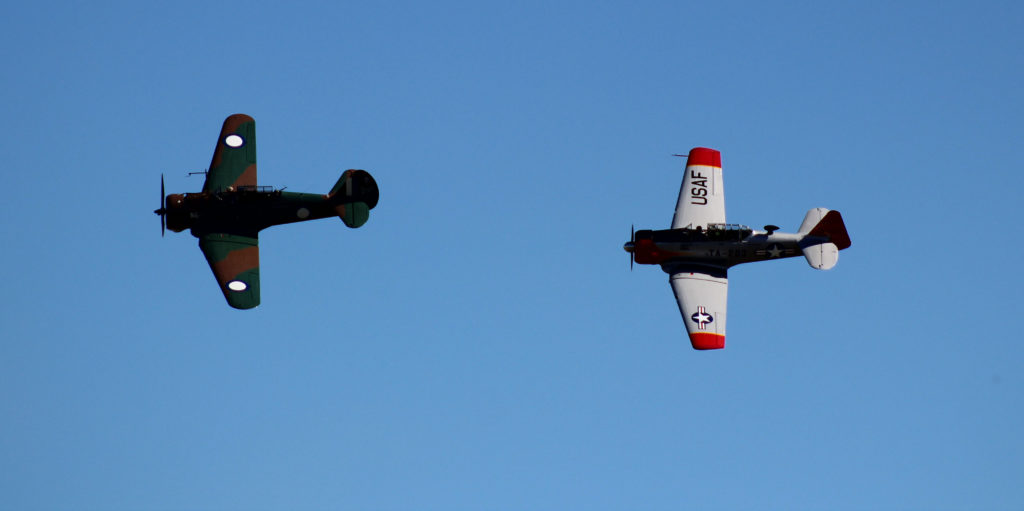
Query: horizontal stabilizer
point(354, 214)
point(822, 256)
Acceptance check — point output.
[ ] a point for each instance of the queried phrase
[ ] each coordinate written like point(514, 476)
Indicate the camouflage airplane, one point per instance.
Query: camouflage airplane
point(700, 247)
point(231, 210)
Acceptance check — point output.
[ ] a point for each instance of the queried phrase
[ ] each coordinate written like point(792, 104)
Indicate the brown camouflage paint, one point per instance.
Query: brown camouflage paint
point(220, 177)
point(234, 258)
point(236, 263)
point(248, 177)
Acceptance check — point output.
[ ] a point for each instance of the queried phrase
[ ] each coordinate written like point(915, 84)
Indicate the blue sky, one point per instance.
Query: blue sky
point(481, 343)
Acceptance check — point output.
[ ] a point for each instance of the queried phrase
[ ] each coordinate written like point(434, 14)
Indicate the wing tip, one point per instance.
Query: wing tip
point(239, 118)
point(707, 341)
point(704, 156)
point(233, 122)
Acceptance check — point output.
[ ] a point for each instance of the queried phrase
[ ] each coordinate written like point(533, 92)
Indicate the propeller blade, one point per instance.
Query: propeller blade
point(632, 239)
point(163, 208)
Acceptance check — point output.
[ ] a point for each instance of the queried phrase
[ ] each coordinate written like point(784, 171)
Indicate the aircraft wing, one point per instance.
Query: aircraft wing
point(234, 159)
point(235, 261)
point(701, 294)
point(702, 195)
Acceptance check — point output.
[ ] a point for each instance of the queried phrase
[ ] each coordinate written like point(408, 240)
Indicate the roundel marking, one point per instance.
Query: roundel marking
point(702, 318)
point(302, 213)
point(237, 285)
point(234, 140)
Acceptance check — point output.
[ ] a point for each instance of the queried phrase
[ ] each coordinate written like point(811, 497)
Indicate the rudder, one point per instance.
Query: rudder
point(830, 226)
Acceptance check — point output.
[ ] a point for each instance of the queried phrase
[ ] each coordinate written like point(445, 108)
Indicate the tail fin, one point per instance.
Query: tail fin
point(824, 236)
point(354, 195)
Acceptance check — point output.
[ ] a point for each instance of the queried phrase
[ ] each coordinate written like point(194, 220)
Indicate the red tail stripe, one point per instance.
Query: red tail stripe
point(832, 226)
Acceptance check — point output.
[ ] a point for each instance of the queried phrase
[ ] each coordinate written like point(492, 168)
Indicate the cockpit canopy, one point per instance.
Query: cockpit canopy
point(728, 231)
point(714, 232)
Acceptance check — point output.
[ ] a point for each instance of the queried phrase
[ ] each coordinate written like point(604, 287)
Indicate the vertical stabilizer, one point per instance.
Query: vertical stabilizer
point(811, 219)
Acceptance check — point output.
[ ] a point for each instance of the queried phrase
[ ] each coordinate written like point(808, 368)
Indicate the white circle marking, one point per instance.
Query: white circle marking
point(237, 285)
point(234, 140)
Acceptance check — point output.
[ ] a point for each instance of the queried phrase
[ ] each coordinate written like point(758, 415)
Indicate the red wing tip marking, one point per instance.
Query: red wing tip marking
point(704, 156)
point(707, 341)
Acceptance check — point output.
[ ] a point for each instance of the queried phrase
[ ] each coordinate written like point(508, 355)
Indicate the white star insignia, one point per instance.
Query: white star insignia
point(701, 318)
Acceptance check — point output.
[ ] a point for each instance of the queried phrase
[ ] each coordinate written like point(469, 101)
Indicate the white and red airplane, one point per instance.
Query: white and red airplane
point(700, 247)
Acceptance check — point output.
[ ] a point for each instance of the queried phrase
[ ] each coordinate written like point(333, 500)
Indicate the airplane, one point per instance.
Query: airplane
point(699, 248)
point(232, 209)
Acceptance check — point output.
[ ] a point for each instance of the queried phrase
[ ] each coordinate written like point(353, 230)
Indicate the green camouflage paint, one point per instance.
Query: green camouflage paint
point(234, 259)
point(233, 167)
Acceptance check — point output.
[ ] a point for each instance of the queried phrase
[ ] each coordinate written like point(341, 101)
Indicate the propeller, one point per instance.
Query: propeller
point(163, 208)
point(629, 246)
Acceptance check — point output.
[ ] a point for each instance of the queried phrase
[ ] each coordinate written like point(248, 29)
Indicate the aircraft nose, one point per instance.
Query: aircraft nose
point(628, 247)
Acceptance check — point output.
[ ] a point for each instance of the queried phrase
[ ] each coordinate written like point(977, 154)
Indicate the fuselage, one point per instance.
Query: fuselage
point(721, 246)
point(246, 209)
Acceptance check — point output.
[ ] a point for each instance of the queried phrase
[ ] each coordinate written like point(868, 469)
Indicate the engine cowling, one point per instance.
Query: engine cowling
point(177, 213)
